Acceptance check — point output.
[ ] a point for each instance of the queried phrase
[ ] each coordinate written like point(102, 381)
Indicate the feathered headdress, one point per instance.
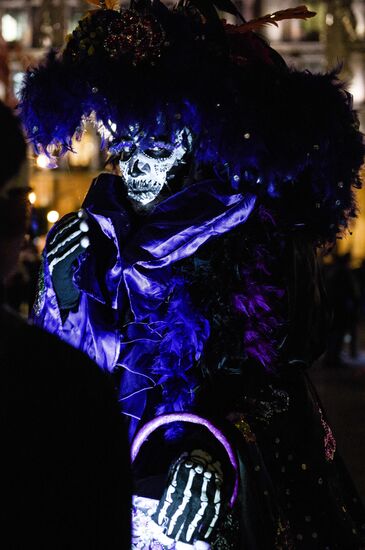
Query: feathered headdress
point(113, 54)
point(281, 133)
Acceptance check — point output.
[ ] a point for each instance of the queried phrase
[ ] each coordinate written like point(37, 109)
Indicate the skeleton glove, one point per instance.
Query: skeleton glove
point(63, 247)
point(191, 504)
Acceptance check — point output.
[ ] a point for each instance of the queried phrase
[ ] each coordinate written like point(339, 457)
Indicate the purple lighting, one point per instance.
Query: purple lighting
point(159, 421)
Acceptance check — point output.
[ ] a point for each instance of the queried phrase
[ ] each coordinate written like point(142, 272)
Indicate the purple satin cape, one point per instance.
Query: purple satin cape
point(128, 275)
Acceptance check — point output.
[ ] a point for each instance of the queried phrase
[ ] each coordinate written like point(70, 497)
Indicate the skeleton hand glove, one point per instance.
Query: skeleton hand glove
point(62, 249)
point(191, 504)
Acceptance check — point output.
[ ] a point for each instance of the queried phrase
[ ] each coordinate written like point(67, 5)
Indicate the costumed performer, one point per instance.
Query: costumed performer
point(192, 276)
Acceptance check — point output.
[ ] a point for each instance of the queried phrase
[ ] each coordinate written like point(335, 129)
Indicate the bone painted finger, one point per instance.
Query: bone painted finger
point(199, 468)
point(168, 499)
point(217, 507)
point(54, 262)
point(84, 227)
point(72, 238)
point(199, 515)
point(218, 475)
point(189, 514)
point(184, 503)
point(61, 228)
point(85, 242)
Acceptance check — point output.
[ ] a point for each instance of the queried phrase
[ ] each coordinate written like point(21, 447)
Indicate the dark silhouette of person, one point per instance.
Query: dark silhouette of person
point(65, 479)
point(21, 286)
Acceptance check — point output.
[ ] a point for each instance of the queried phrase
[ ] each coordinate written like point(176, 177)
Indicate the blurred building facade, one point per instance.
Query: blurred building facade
point(334, 38)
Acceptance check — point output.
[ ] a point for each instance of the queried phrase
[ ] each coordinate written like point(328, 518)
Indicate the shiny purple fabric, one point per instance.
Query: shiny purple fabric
point(175, 230)
point(135, 311)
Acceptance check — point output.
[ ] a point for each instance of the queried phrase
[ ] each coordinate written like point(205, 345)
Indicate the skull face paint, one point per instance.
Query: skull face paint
point(145, 162)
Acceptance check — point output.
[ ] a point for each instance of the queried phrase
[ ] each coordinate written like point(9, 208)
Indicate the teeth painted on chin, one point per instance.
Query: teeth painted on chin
point(144, 186)
point(144, 190)
point(139, 189)
point(147, 192)
point(143, 198)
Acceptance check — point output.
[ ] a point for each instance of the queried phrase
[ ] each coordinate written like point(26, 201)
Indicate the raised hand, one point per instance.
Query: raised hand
point(191, 504)
point(63, 247)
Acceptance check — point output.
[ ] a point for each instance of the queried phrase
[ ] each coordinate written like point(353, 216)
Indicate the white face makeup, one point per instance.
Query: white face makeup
point(145, 162)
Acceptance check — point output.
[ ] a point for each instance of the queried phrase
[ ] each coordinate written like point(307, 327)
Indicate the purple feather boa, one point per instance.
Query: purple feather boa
point(258, 302)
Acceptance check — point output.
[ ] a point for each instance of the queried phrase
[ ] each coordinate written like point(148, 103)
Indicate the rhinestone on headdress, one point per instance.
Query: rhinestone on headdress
point(138, 36)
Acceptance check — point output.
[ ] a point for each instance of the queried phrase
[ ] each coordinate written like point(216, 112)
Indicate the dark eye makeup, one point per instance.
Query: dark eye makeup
point(152, 147)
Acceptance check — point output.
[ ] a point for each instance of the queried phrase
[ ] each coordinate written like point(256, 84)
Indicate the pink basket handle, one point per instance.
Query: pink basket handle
point(165, 419)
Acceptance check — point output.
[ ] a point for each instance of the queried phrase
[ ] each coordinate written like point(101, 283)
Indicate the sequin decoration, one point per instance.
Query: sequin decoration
point(276, 401)
point(132, 35)
point(329, 440)
point(40, 293)
point(228, 533)
point(284, 540)
point(243, 426)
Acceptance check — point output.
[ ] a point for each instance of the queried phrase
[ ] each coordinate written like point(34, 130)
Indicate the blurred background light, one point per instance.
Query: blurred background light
point(42, 161)
point(32, 197)
point(53, 216)
point(9, 28)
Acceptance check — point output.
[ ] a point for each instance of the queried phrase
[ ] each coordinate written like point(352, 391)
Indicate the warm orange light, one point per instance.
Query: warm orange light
point(52, 216)
point(42, 161)
point(32, 197)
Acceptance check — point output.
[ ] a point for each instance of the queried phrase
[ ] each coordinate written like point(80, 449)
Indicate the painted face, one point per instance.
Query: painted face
point(146, 160)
